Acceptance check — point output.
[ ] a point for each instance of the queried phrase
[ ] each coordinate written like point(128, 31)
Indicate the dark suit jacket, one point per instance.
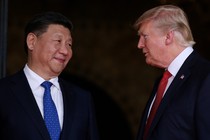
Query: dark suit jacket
point(20, 118)
point(184, 113)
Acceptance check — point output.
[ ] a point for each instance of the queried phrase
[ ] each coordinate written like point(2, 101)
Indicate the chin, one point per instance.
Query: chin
point(149, 62)
point(57, 71)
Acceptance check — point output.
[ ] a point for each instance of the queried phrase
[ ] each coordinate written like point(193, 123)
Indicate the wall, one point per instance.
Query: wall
point(105, 48)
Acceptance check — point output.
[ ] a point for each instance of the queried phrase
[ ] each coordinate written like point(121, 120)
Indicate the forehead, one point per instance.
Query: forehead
point(145, 27)
point(58, 30)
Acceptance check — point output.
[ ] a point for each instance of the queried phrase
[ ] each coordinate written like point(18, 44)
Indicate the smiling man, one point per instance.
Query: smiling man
point(35, 103)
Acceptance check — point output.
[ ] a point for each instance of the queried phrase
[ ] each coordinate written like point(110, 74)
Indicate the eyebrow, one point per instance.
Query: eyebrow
point(142, 34)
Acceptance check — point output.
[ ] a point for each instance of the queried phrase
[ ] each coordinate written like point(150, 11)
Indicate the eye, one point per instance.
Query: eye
point(57, 41)
point(70, 45)
point(144, 36)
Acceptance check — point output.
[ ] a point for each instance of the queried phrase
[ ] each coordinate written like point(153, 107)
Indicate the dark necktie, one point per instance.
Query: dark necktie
point(50, 113)
point(159, 95)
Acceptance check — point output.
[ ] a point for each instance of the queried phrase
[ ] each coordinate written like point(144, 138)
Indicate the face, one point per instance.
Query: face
point(50, 52)
point(152, 43)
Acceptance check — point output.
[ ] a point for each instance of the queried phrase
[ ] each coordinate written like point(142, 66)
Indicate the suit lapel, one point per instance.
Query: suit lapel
point(24, 95)
point(146, 110)
point(172, 90)
point(68, 109)
point(179, 79)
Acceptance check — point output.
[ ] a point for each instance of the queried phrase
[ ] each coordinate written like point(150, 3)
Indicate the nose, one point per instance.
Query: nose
point(64, 49)
point(141, 43)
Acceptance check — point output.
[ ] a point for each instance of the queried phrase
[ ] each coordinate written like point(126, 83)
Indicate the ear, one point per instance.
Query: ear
point(169, 37)
point(31, 40)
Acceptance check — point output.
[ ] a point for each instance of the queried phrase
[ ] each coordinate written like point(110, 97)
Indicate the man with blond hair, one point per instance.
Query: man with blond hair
point(178, 108)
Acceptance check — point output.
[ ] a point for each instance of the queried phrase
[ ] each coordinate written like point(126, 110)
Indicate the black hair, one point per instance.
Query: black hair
point(40, 22)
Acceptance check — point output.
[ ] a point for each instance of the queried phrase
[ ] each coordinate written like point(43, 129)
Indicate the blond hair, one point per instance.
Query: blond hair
point(169, 18)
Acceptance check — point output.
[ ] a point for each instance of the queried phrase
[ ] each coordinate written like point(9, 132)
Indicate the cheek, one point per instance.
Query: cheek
point(69, 58)
point(47, 51)
point(155, 45)
point(155, 51)
point(70, 54)
point(43, 53)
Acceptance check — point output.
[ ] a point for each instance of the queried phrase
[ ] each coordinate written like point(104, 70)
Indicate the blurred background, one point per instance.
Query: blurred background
point(106, 60)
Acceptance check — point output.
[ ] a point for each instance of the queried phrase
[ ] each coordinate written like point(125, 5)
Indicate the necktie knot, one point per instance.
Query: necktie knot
point(46, 85)
point(166, 74)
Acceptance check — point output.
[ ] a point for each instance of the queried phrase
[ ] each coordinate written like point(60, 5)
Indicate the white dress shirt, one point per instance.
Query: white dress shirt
point(177, 63)
point(174, 68)
point(35, 82)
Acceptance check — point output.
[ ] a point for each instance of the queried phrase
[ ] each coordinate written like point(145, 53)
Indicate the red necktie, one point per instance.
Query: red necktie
point(159, 95)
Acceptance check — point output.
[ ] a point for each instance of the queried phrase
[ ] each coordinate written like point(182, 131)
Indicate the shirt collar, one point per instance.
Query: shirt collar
point(35, 80)
point(179, 60)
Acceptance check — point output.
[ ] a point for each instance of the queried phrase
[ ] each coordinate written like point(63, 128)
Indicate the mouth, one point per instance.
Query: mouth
point(145, 54)
point(60, 60)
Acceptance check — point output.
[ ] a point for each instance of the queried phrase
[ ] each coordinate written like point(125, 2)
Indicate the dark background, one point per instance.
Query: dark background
point(106, 60)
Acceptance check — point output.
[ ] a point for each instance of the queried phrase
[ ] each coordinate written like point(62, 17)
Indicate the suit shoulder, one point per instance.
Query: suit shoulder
point(73, 88)
point(199, 62)
point(11, 79)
